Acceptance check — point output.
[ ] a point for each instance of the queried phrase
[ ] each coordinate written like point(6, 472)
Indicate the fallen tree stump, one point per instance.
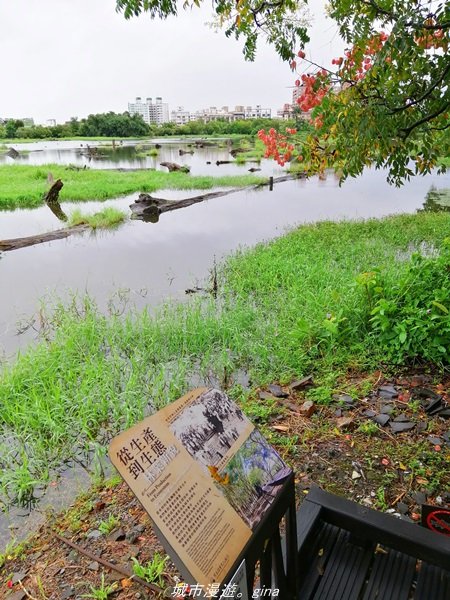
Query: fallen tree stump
point(175, 167)
point(52, 201)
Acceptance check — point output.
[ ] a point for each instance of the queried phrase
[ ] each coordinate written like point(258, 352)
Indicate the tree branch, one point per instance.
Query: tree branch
point(425, 94)
point(425, 119)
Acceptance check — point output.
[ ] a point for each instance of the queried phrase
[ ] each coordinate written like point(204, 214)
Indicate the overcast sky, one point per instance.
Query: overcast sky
point(70, 58)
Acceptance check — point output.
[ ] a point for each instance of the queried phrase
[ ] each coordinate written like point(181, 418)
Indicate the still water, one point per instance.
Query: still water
point(127, 155)
point(160, 261)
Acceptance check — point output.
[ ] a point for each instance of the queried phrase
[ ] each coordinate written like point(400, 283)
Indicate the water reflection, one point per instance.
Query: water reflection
point(179, 251)
point(201, 156)
point(437, 200)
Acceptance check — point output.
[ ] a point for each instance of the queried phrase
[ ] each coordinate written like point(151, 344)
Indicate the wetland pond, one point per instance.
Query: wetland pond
point(154, 262)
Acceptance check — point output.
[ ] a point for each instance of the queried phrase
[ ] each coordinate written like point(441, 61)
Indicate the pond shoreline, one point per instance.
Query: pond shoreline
point(90, 378)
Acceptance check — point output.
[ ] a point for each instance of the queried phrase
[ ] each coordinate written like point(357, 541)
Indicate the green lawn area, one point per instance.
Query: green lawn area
point(23, 186)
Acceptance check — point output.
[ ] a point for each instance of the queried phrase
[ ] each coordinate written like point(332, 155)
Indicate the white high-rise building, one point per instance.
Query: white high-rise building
point(180, 116)
point(152, 112)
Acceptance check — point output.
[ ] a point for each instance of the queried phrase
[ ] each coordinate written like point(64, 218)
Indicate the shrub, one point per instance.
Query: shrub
point(411, 317)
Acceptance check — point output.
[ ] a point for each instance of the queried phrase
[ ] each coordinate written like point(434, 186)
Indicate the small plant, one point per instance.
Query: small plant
point(151, 572)
point(380, 499)
point(322, 394)
point(12, 551)
point(369, 428)
point(109, 524)
point(102, 592)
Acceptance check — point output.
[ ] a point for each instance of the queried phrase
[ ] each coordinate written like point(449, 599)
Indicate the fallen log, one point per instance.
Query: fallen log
point(175, 167)
point(181, 152)
point(205, 144)
point(148, 208)
point(40, 238)
point(12, 153)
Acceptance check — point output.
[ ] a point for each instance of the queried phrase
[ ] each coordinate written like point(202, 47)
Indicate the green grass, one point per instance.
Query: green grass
point(252, 152)
point(106, 218)
point(285, 309)
point(22, 186)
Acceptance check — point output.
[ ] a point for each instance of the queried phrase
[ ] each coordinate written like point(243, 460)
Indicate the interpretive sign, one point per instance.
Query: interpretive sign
point(205, 476)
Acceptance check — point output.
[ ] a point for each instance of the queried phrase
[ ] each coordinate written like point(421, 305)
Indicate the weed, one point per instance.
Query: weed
point(108, 525)
point(321, 394)
point(12, 551)
point(368, 428)
point(153, 571)
point(380, 499)
point(102, 592)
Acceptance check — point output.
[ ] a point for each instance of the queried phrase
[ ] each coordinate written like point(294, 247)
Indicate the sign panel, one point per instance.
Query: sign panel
point(205, 476)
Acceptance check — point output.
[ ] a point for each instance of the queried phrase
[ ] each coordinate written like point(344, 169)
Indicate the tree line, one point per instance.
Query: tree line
point(125, 125)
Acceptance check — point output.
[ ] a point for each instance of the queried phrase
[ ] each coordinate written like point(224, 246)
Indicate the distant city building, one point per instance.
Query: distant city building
point(152, 112)
point(180, 116)
point(51, 122)
point(286, 113)
point(225, 114)
point(296, 93)
point(257, 112)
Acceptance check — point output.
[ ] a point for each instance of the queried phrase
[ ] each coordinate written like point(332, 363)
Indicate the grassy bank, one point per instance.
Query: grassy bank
point(22, 186)
point(286, 308)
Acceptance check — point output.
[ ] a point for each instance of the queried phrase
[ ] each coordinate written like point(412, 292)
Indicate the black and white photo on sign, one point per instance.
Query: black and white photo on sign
point(209, 426)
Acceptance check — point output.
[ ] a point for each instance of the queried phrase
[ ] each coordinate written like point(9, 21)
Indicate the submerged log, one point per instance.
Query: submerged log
point(40, 238)
point(182, 152)
point(205, 144)
point(224, 162)
point(12, 153)
point(175, 167)
point(148, 208)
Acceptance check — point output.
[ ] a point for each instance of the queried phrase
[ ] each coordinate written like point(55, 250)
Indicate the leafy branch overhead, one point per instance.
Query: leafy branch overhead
point(385, 103)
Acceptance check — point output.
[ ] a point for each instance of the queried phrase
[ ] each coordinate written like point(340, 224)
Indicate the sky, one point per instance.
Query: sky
point(66, 58)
